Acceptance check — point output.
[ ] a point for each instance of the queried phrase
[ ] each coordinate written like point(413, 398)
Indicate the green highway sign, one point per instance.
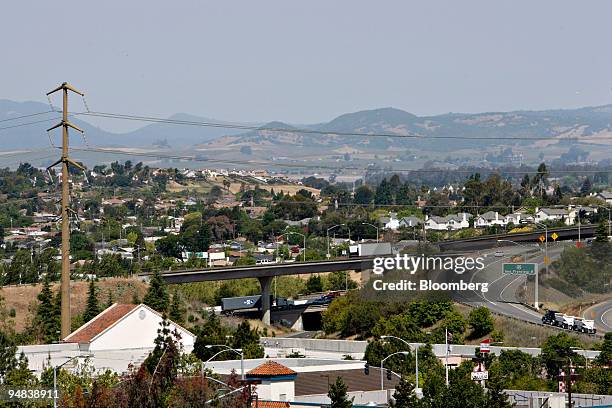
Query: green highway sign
point(519, 268)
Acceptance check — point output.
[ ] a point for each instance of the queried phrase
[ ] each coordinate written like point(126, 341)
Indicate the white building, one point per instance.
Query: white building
point(275, 382)
point(120, 336)
point(124, 326)
point(451, 222)
point(555, 214)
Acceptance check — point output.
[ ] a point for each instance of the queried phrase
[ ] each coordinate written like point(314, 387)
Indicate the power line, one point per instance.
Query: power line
point(28, 123)
point(103, 150)
point(321, 132)
point(26, 116)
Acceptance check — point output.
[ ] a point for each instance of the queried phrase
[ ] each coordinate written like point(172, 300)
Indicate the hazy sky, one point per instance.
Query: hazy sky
point(309, 61)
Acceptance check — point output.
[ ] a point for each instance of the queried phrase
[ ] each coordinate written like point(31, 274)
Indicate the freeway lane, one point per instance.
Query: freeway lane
point(501, 296)
point(602, 314)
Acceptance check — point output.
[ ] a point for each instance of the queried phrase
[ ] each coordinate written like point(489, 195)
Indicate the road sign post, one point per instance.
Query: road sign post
point(519, 268)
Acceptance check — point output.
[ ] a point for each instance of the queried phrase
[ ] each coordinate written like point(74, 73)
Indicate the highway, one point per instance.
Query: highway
point(602, 314)
point(501, 297)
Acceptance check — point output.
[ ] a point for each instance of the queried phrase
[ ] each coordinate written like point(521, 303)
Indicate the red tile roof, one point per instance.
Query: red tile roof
point(100, 323)
point(270, 369)
point(272, 404)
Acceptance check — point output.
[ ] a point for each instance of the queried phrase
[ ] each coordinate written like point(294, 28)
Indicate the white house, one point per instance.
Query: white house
point(411, 221)
point(605, 196)
point(489, 219)
point(451, 222)
point(555, 214)
point(391, 222)
point(125, 326)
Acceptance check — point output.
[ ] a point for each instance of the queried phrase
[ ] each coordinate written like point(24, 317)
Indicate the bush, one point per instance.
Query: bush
point(481, 322)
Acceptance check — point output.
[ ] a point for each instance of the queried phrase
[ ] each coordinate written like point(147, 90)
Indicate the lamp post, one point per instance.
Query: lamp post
point(367, 223)
point(55, 368)
point(382, 379)
point(330, 228)
point(303, 236)
point(416, 354)
point(226, 348)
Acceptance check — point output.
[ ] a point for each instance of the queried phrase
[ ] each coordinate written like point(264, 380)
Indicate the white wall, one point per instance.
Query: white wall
point(272, 390)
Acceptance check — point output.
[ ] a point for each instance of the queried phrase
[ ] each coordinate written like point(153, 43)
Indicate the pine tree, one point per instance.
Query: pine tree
point(338, 396)
point(109, 299)
point(176, 311)
point(586, 187)
point(47, 318)
point(404, 395)
point(601, 233)
point(92, 309)
point(203, 238)
point(157, 296)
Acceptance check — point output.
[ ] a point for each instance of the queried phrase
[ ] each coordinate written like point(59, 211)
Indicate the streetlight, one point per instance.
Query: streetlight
point(330, 228)
point(416, 354)
point(55, 368)
point(367, 223)
point(303, 236)
point(382, 379)
point(226, 348)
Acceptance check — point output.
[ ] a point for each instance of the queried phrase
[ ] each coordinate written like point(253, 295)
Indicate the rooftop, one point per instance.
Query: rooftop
point(100, 323)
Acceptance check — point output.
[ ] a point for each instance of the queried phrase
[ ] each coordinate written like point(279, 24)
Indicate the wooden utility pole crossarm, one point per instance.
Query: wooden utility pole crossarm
point(65, 161)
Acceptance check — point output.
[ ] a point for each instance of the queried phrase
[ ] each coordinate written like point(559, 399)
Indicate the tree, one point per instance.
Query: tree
point(605, 357)
point(157, 296)
point(92, 308)
point(8, 349)
point(338, 394)
point(176, 312)
point(555, 351)
point(314, 284)
point(363, 195)
point(586, 187)
point(601, 233)
point(496, 397)
point(20, 375)
point(169, 246)
point(384, 195)
point(109, 298)
point(47, 319)
point(247, 339)
point(405, 396)
point(481, 322)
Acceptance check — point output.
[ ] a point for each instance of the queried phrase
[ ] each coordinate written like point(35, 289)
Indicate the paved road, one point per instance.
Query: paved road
point(602, 314)
point(501, 296)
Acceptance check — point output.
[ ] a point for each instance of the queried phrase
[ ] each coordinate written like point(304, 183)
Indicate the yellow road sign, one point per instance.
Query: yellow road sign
point(546, 260)
point(554, 236)
point(542, 238)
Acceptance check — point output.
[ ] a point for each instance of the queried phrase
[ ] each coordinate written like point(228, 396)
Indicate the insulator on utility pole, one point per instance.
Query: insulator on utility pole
point(65, 161)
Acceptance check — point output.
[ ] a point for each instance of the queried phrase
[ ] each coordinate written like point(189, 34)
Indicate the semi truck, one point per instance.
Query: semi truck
point(246, 303)
point(555, 318)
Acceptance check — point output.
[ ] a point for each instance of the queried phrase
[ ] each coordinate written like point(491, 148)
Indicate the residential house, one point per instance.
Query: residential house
point(605, 196)
point(451, 222)
point(409, 222)
point(555, 214)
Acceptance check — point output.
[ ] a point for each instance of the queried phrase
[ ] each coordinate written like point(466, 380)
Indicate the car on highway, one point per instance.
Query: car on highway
point(499, 254)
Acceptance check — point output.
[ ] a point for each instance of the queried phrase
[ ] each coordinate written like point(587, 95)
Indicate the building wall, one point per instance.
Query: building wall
point(276, 390)
point(137, 330)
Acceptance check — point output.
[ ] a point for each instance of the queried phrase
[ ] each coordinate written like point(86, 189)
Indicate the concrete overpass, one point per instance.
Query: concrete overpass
point(490, 241)
point(265, 273)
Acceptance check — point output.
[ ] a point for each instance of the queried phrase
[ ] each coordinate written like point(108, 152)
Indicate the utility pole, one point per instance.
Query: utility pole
point(65, 161)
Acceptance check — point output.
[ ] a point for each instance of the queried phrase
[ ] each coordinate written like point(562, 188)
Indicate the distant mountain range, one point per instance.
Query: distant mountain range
point(589, 121)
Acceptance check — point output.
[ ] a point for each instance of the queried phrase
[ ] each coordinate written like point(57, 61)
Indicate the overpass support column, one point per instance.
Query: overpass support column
point(266, 285)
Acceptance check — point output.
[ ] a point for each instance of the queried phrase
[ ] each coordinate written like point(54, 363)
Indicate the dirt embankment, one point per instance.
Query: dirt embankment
point(23, 299)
